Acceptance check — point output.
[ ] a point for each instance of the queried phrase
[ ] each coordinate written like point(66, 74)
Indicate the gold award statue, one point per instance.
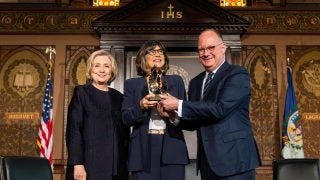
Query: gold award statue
point(156, 85)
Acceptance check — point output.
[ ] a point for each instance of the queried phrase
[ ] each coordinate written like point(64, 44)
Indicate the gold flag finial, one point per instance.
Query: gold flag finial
point(51, 51)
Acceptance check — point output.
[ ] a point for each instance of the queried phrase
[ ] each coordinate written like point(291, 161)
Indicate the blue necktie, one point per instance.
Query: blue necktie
point(206, 84)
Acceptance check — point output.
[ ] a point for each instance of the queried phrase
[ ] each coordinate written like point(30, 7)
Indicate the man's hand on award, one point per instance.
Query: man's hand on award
point(146, 102)
point(168, 102)
point(162, 112)
point(170, 115)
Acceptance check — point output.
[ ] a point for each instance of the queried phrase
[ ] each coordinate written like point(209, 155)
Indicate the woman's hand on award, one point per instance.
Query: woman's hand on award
point(145, 102)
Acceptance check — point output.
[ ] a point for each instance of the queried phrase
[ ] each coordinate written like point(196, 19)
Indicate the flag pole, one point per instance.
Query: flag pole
point(45, 135)
point(51, 52)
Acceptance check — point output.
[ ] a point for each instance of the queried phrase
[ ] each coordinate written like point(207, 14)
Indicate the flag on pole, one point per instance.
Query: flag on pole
point(292, 143)
point(44, 140)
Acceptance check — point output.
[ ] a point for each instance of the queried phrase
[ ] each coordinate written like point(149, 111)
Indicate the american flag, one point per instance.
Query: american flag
point(44, 140)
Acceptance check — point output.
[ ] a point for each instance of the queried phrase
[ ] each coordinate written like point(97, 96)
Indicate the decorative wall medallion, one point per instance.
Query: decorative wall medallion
point(308, 74)
point(181, 72)
point(305, 64)
point(311, 78)
point(23, 78)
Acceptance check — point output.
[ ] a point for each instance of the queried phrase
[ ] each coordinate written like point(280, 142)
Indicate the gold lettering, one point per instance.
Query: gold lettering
point(291, 21)
point(22, 115)
point(270, 20)
point(50, 20)
point(7, 20)
point(171, 14)
point(179, 15)
point(73, 20)
point(311, 116)
point(162, 14)
point(29, 20)
point(314, 20)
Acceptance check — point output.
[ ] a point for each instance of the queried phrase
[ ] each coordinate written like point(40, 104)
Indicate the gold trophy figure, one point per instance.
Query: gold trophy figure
point(156, 85)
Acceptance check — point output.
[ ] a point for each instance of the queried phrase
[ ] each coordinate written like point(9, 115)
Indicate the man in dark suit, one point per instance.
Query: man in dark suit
point(218, 107)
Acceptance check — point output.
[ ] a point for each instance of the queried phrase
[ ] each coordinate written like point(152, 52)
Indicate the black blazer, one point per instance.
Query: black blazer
point(222, 117)
point(95, 133)
point(174, 148)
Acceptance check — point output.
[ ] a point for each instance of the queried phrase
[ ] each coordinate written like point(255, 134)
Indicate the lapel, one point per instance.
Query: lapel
point(168, 82)
point(198, 83)
point(142, 86)
point(220, 74)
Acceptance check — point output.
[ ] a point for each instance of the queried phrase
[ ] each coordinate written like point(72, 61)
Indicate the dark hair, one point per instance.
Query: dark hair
point(141, 60)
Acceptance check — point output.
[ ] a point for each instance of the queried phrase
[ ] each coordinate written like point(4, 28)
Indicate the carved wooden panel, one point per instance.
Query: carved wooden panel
point(23, 74)
point(305, 64)
point(48, 21)
point(281, 21)
point(260, 62)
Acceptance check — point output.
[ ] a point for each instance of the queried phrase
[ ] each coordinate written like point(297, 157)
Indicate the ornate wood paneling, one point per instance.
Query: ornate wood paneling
point(277, 21)
point(260, 62)
point(170, 17)
point(305, 64)
point(271, 21)
point(23, 74)
point(48, 21)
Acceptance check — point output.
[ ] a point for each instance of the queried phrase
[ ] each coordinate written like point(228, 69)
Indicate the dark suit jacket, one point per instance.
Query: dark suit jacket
point(223, 120)
point(174, 148)
point(95, 134)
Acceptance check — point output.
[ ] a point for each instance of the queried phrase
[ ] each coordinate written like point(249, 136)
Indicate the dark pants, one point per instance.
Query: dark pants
point(159, 171)
point(208, 174)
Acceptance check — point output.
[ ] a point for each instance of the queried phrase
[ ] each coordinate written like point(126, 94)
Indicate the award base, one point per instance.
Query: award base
point(155, 98)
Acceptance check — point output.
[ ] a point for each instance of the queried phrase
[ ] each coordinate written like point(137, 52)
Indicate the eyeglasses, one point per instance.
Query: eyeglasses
point(201, 51)
point(153, 52)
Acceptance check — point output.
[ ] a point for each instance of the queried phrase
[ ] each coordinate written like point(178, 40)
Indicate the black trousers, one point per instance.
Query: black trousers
point(159, 171)
point(208, 174)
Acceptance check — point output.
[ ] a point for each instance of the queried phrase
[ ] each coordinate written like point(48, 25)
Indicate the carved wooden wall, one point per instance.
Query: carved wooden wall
point(262, 65)
point(260, 62)
point(305, 64)
point(23, 74)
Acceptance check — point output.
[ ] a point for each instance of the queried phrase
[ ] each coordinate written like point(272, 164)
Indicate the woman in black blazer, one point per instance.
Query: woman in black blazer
point(96, 137)
point(157, 148)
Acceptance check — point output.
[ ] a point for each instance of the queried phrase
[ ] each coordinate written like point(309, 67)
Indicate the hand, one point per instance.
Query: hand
point(165, 113)
point(79, 172)
point(145, 103)
point(168, 102)
point(162, 112)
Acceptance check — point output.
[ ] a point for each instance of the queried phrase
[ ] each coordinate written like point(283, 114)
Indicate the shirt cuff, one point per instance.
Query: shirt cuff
point(175, 121)
point(180, 108)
